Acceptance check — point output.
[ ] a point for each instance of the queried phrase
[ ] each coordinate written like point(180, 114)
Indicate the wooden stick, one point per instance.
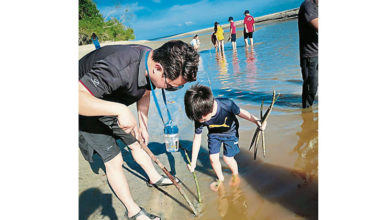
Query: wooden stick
point(265, 117)
point(194, 175)
point(154, 158)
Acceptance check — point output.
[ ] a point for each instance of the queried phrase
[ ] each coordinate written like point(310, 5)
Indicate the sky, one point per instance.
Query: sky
point(159, 18)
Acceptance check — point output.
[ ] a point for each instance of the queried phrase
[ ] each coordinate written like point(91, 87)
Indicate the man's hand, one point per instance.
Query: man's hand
point(144, 135)
point(127, 122)
point(262, 126)
point(192, 167)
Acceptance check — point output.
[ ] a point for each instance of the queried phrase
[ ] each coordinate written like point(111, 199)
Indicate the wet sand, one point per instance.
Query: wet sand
point(283, 185)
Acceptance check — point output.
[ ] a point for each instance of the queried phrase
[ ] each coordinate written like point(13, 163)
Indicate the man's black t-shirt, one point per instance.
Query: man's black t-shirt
point(115, 73)
point(308, 36)
point(224, 122)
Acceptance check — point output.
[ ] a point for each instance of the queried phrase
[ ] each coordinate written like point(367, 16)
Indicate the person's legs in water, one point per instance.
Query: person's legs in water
point(222, 48)
point(309, 68)
point(118, 182)
point(143, 159)
point(214, 159)
point(232, 163)
point(245, 38)
point(251, 40)
point(305, 84)
point(313, 78)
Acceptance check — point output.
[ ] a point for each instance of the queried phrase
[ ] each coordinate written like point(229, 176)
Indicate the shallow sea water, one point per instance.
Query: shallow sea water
point(282, 185)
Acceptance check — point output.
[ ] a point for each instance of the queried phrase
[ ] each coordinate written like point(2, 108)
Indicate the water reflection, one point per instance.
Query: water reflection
point(251, 65)
point(232, 203)
point(307, 147)
point(236, 63)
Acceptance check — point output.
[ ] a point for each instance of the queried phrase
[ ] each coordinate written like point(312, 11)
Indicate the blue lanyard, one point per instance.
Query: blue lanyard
point(154, 94)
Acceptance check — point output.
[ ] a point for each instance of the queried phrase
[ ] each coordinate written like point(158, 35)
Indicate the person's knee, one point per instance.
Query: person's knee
point(214, 158)
point(135, 146)
point(114, 163)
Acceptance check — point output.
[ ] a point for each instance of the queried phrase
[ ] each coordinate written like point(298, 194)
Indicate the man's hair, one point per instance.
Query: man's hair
point(198, 102)
point(177, 58)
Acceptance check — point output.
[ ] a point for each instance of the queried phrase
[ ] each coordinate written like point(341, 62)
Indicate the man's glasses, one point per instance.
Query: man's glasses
point(170, 87)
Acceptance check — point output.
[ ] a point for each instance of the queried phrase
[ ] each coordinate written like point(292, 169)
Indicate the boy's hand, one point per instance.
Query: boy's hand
point(192, 167)
point(262, 126)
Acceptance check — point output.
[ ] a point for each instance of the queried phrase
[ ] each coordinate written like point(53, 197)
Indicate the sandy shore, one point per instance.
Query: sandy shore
point(282, 168)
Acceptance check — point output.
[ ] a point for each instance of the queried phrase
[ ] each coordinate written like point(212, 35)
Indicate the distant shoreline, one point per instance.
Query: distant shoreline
point(204, 38)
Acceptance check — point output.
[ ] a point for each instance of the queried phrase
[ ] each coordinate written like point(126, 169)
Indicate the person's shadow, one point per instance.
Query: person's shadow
point(92, 199)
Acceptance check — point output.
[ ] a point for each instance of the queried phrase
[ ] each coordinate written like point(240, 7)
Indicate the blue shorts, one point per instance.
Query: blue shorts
point(230, 145)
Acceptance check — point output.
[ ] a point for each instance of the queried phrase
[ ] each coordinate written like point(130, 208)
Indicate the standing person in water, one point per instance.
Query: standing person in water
point(249, 27)
point(95, 40)
point(232, 32)
point(214, 39)
point(195, 42)
point(308, 50)
point(219, 116)
point(220, 37)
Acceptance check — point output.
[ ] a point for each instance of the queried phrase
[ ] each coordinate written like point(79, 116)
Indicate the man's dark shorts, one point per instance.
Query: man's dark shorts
point(246, 35)
point(233, 37)
point(230, 145)
point(99, 135)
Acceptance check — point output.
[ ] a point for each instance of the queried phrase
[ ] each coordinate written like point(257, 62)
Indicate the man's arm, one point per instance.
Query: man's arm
point(195, 151)
point(92, 106)
point(314, 23)
point(143, 110)
point(248, 116)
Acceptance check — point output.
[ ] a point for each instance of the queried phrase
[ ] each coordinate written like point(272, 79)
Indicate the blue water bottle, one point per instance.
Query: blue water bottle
point(171, 137)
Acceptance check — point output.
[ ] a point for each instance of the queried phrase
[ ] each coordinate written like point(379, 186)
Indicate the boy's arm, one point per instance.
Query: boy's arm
point(248, 116)
point(195, 151)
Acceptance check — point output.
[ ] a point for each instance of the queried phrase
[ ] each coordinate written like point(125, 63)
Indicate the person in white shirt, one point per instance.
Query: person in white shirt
point(195, 42)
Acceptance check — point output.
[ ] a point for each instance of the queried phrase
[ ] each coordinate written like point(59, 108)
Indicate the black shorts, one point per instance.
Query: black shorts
point(99, 135)
point(233, 37)
point(246, 35)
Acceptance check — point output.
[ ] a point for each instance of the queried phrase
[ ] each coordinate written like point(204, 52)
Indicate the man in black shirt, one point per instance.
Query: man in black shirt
point(114, 77)
point(308, 48)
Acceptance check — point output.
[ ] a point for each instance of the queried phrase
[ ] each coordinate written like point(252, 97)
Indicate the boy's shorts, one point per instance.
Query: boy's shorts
point(246, 35)
point(230, 145)
point(233, 37)
point(99, 135)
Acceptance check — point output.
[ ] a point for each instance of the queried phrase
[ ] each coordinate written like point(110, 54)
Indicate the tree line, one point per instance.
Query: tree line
point(92, 21)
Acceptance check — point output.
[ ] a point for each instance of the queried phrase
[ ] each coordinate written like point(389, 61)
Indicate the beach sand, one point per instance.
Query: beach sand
point(281, 186)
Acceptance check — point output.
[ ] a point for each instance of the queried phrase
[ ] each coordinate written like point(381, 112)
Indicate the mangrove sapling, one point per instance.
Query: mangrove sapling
point(263, 118)
point(193, 174)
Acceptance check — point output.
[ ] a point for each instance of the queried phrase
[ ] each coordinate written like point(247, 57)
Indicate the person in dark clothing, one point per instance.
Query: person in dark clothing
point(111, 79)
point(308, 50)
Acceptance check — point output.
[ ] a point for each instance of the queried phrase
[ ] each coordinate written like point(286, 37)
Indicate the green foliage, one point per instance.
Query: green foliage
point(91, 21)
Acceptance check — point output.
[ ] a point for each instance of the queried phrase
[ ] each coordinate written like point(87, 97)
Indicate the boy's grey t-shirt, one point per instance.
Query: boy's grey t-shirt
point(224, 122)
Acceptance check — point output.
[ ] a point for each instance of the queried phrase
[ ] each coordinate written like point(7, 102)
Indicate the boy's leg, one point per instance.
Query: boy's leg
point(232, 163)
point(231, 149)
point(214, 159)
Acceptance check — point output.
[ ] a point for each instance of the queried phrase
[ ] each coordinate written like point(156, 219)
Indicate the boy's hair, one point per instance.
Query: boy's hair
point(177, 58)
point(198, 102)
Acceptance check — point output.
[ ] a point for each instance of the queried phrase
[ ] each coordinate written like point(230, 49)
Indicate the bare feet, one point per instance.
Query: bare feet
point(235, 181)
point(214, 186)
